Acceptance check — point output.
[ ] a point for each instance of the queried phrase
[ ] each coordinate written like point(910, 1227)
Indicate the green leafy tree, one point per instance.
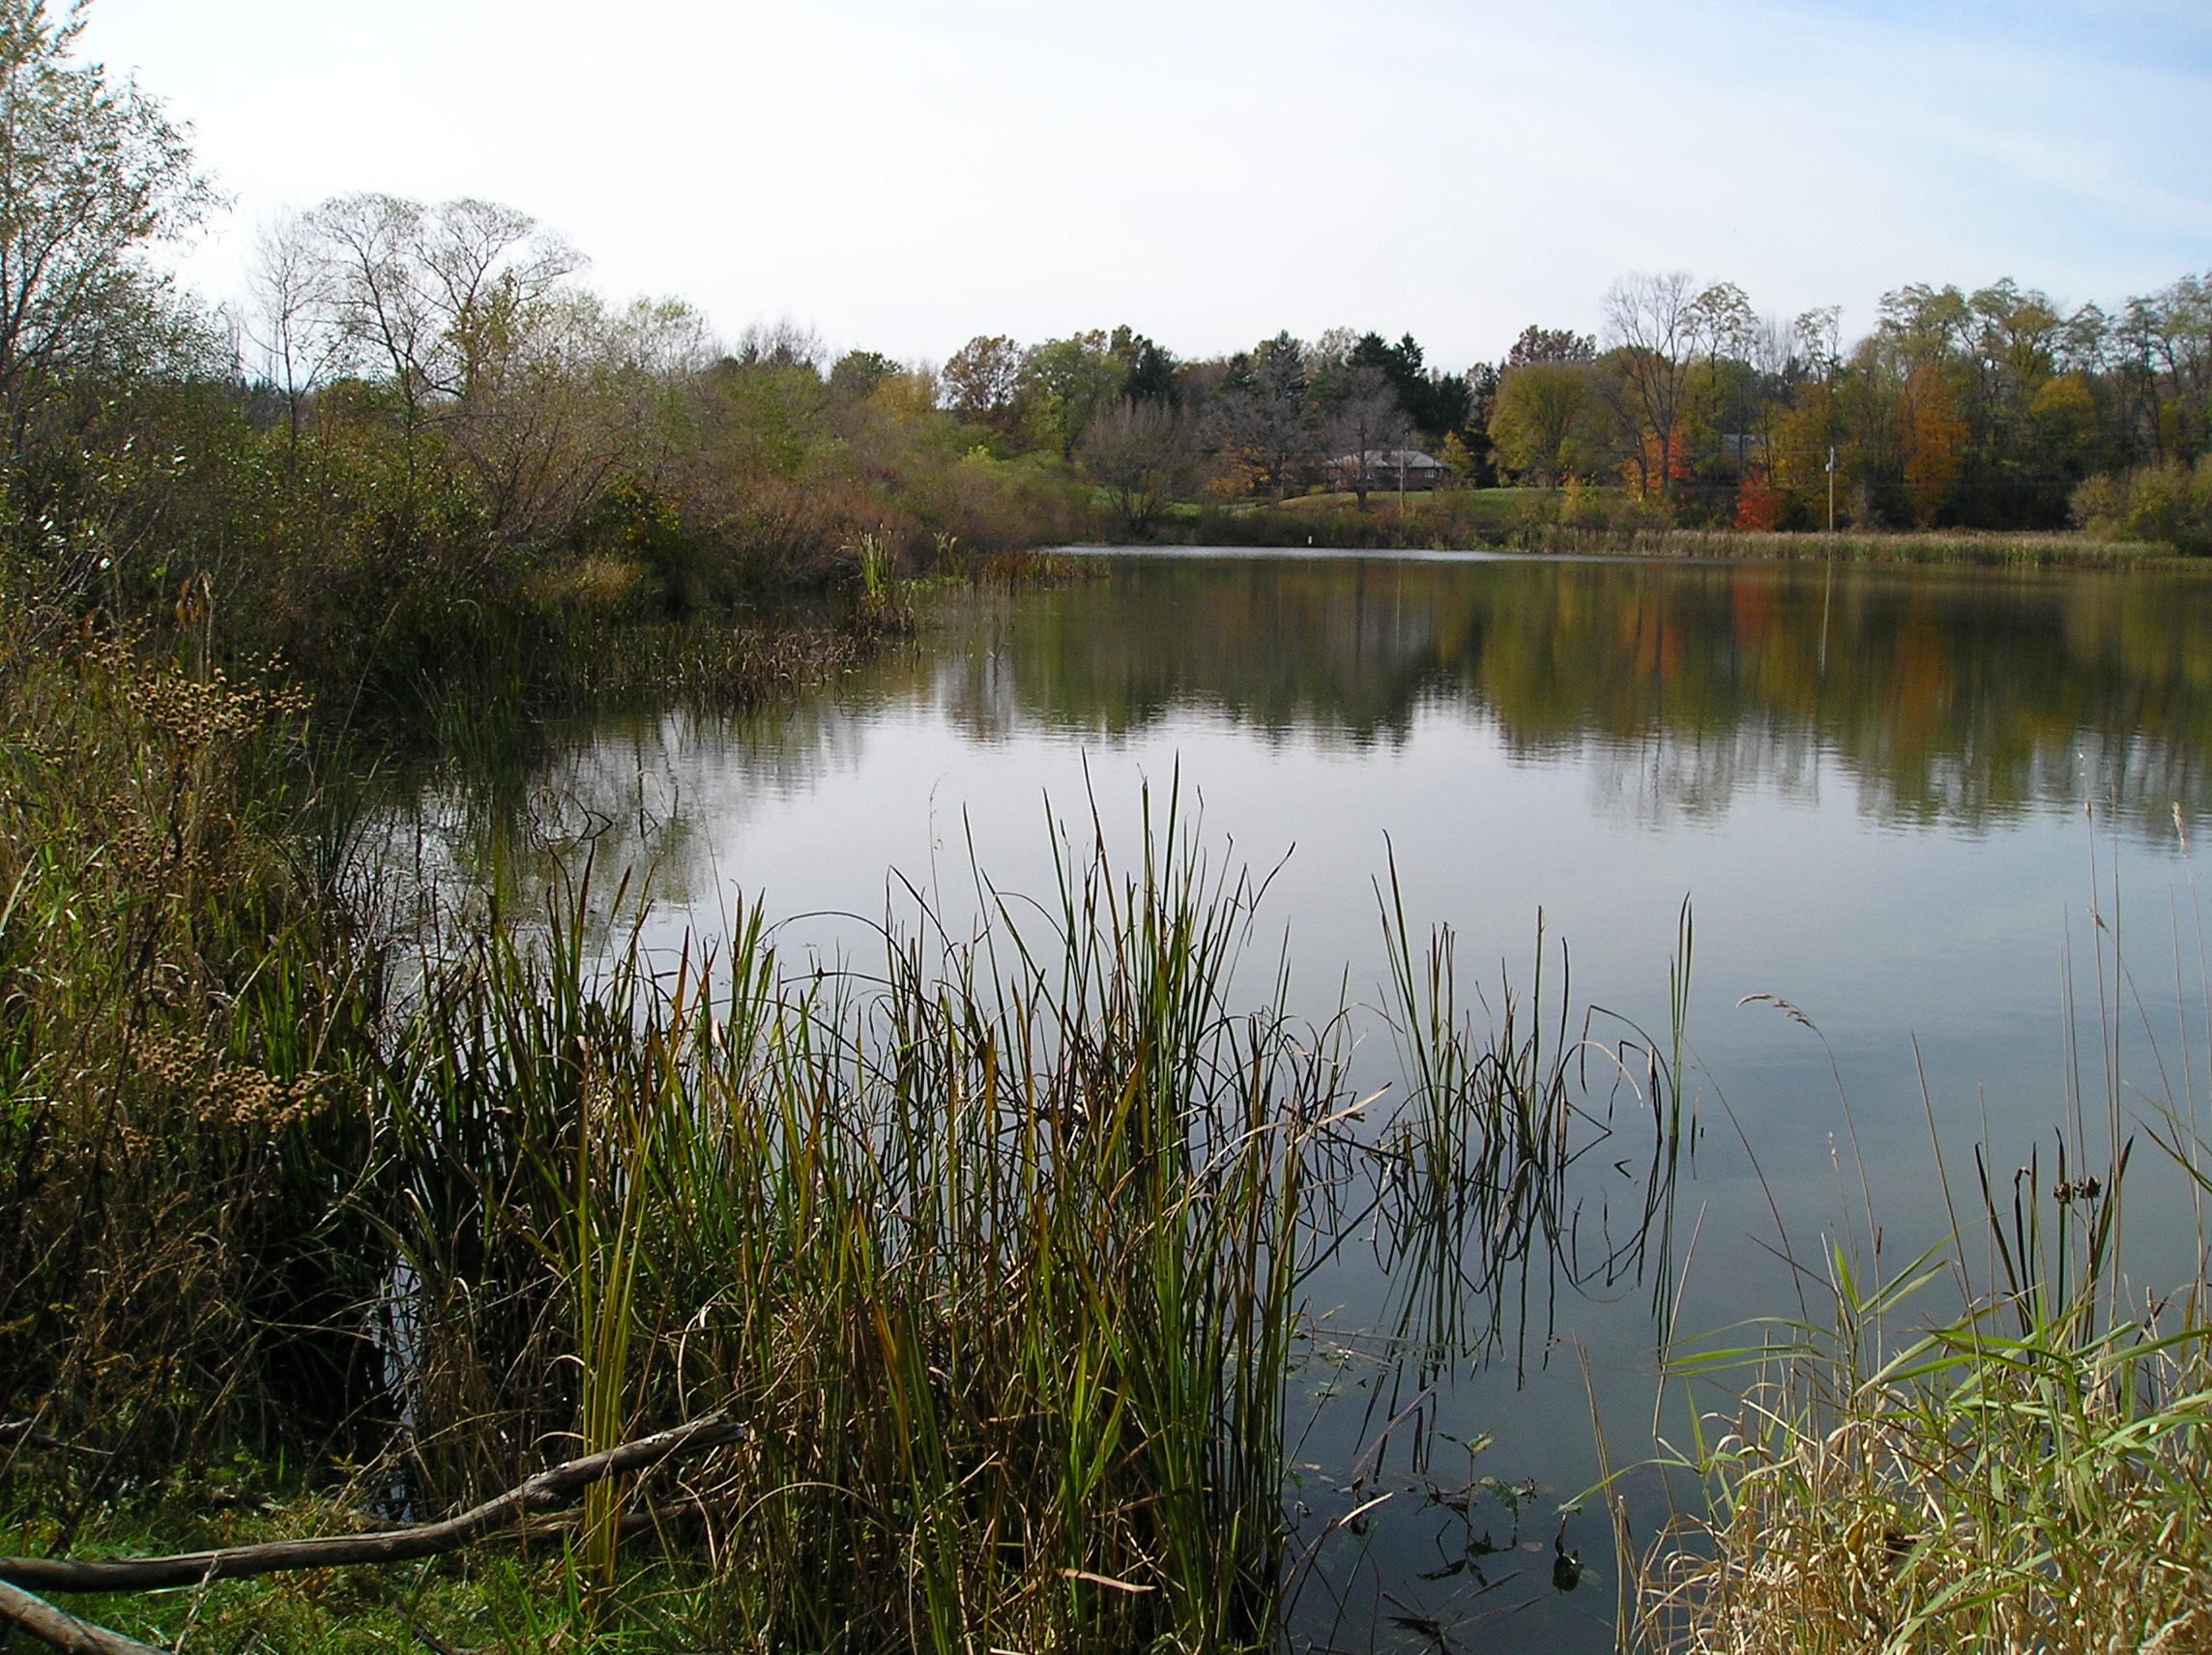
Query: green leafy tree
point(857, 373)
point(1473, 434)
point(1148, 372)
point(2163, 342)
point(1435, 402)
point(1542, 421)
point(1063, 385)
point(981, 378)
point(90, 172)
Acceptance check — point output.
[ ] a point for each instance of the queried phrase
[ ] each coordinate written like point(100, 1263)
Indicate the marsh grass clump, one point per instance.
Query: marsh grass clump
point(1483, 1217)
point(1010, 570)
point(721, 665)
point(998, 1250)
point(2031, 1474)
point(185, 1013)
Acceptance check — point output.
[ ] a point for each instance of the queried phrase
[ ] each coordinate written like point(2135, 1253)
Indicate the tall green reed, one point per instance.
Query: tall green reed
point(999, 1250)
point(1476, 1184)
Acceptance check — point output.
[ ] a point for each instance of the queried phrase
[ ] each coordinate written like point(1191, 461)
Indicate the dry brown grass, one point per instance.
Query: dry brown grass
point(2030, 1477)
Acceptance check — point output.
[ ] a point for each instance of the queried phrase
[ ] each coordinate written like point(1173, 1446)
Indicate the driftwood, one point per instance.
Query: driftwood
point(546, 1490)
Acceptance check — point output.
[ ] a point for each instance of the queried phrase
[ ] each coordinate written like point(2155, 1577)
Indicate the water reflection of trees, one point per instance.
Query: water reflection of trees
point(1960, 696)
point(637, 795)
point(1963, 697)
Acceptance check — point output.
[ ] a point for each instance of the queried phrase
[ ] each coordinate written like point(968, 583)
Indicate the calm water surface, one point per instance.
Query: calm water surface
point(1914, 804)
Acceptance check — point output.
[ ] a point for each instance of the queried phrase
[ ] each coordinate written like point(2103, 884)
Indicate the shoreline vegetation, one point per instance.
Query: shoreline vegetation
point(1532, 521)
point(995, 1246)
point(998, 1256)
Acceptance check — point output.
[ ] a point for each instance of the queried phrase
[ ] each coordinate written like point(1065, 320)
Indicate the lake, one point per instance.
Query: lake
point(1929, 827)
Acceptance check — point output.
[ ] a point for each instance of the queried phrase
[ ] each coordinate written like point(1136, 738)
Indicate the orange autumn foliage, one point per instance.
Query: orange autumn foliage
point(1758, 503)
point(1932, 439)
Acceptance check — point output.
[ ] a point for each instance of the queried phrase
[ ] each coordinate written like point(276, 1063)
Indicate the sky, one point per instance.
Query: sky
point(906, 176)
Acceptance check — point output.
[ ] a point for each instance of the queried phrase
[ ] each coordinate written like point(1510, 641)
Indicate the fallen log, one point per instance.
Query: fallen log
point(64, 1631)
point(541, 1493)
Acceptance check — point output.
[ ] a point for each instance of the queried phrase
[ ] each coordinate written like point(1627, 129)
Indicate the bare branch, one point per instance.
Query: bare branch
point(546, 1490)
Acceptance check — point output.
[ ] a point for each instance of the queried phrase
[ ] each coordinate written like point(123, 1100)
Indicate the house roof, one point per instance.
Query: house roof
point(1410, 460)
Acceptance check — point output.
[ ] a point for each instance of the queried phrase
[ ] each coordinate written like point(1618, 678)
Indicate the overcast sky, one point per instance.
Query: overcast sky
point(904, 176)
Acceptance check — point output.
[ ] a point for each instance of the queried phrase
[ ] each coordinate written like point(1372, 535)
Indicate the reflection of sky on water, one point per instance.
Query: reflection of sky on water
point(1913, 888)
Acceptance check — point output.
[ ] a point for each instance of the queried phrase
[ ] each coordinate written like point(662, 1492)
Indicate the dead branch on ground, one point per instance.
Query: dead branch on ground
point(64, 1631)
point(539, 1493)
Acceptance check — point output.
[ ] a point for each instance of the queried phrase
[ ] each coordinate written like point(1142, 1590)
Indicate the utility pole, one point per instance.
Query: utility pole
point(1828, 558)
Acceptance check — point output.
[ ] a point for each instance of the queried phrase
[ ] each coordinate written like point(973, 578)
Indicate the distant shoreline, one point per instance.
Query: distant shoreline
point(1983, 549)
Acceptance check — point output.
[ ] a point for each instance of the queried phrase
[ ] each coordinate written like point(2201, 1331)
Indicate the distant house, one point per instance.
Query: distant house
point(1387, 469)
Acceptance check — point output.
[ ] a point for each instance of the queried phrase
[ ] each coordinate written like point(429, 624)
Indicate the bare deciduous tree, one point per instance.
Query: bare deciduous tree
point(1650, 322)
point(777, 344)
point(1145, 455)
point(1661, 326)
point(1262, 417)
point(289, 305)
point(432, 293)
point(1367, 419)
point(1540, 344)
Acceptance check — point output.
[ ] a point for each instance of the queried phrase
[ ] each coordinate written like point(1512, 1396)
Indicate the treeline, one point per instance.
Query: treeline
point(1984, 410)
point(1285, 416)
point(422, 443)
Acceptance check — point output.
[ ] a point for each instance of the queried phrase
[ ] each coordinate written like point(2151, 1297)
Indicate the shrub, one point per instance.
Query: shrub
point(2170, 504)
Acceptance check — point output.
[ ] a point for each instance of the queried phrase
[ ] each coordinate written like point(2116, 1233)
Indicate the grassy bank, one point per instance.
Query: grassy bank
point(1454, 519)
point(1999, 1445)
point(1989, 548)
